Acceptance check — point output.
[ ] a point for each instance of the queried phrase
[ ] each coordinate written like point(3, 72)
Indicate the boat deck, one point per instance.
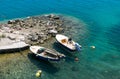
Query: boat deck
point(68, 44)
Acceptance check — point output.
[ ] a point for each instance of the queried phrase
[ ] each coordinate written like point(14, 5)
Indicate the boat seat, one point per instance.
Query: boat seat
point(40, 51)
point(63, 40)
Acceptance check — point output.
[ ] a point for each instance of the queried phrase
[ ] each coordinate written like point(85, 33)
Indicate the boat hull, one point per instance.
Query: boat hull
point(46, 59)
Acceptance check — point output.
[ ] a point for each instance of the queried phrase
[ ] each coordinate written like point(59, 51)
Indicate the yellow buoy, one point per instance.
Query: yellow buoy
point(38, 73)
point(92, 47)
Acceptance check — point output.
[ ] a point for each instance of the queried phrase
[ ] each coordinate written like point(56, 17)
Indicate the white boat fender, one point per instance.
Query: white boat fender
point(38, 73)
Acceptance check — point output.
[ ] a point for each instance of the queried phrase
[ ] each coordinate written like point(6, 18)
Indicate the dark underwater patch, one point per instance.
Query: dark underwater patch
point(114, 36)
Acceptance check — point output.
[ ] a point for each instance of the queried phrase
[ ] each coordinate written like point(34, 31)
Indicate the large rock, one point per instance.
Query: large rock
point(52, 31)
point(41, 41)
point(12, 37)
point(32, 37)
point(17, 20)
point(56, 17)
point(60, 29)
point(20, 38)
point(10, 22)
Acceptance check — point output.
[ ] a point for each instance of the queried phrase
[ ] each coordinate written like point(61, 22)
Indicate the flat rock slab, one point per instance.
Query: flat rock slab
point(14, 45)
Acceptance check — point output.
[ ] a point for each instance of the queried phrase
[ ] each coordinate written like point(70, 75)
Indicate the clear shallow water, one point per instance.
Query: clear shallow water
point(102, 29)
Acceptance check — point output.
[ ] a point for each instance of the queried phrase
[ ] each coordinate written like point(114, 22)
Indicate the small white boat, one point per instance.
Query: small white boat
point(67, 42)
point(46, 54)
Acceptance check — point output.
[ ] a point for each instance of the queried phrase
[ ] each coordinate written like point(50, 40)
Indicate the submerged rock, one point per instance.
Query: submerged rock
point(74, 68)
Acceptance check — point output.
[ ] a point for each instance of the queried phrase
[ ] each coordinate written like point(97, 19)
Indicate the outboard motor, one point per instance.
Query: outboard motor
point(78, 47)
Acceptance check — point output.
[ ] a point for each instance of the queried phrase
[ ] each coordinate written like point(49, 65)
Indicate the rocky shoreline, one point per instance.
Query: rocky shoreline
point(31, 30)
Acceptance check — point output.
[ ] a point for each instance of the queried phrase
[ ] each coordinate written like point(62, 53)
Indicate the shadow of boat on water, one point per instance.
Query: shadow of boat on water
point(70, 55)
point(43, 65)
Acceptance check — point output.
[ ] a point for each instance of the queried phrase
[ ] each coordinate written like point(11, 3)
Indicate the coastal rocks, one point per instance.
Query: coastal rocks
point(15, 37)
point(41, 41)
point(14, 21)
point(37, 37)
point(46, 27)
point(2, 35)
point(52, 16)
point(60, 29)
point(36, 29)
point(33, 37)
point(52, 31)
point(10, 22)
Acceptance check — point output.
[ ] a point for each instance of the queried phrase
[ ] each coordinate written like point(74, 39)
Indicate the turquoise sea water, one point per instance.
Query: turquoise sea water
point(102, 20)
